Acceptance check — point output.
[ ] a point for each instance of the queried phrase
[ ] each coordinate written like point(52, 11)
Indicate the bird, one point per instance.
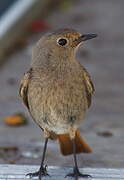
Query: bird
point(57, 91)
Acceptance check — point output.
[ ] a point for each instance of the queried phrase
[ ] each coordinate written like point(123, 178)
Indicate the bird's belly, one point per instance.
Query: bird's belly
point(57, 109)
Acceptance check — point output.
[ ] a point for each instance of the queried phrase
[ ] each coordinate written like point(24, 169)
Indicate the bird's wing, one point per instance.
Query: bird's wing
point(89, 86)
point(23, 91)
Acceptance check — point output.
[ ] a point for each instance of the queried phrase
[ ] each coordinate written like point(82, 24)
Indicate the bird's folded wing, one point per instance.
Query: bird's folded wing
point(23, 91)
point(88, 86)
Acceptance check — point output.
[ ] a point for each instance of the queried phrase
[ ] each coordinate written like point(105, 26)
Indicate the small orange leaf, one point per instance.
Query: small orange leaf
point(15, 120)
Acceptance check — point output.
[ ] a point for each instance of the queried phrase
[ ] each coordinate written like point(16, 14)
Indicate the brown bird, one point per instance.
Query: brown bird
point(57, 91)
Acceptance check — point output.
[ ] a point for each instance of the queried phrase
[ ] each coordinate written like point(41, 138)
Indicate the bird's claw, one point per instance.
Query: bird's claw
point(76, 174)
point(42, 172)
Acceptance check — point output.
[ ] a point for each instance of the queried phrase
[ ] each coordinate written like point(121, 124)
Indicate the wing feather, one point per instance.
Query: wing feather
point(23, 90)
point(88, 86)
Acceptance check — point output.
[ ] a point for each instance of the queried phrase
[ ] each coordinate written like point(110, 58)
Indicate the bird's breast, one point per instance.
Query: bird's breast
point(58, 101)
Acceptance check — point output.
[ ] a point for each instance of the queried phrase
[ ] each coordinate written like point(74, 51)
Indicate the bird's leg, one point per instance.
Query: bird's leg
point(76, 173)
point(43, 168)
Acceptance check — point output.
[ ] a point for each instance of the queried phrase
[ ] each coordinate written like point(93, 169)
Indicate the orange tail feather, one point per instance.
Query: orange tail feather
point(66, 144)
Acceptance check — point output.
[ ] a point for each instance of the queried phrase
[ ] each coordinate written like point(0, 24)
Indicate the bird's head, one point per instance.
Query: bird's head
point(61, 43)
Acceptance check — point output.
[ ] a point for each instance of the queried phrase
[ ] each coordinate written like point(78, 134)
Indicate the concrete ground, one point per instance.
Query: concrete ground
point(103, 58)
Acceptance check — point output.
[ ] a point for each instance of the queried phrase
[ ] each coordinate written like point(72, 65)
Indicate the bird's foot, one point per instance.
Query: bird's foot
point(42, 172)
point(30, 175)
point(76, 174)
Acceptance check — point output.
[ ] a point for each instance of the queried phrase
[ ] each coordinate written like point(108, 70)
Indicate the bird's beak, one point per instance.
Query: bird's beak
point(83, 37)
point(86, 37)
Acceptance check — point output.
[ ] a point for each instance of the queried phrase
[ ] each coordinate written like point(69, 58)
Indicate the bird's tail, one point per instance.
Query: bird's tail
point(66, 144)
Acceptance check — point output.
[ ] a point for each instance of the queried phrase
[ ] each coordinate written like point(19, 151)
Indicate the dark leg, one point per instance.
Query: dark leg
point(43, 169)
point(76, 173)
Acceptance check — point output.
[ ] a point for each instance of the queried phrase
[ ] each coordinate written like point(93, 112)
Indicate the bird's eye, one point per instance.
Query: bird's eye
point(62, 42)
